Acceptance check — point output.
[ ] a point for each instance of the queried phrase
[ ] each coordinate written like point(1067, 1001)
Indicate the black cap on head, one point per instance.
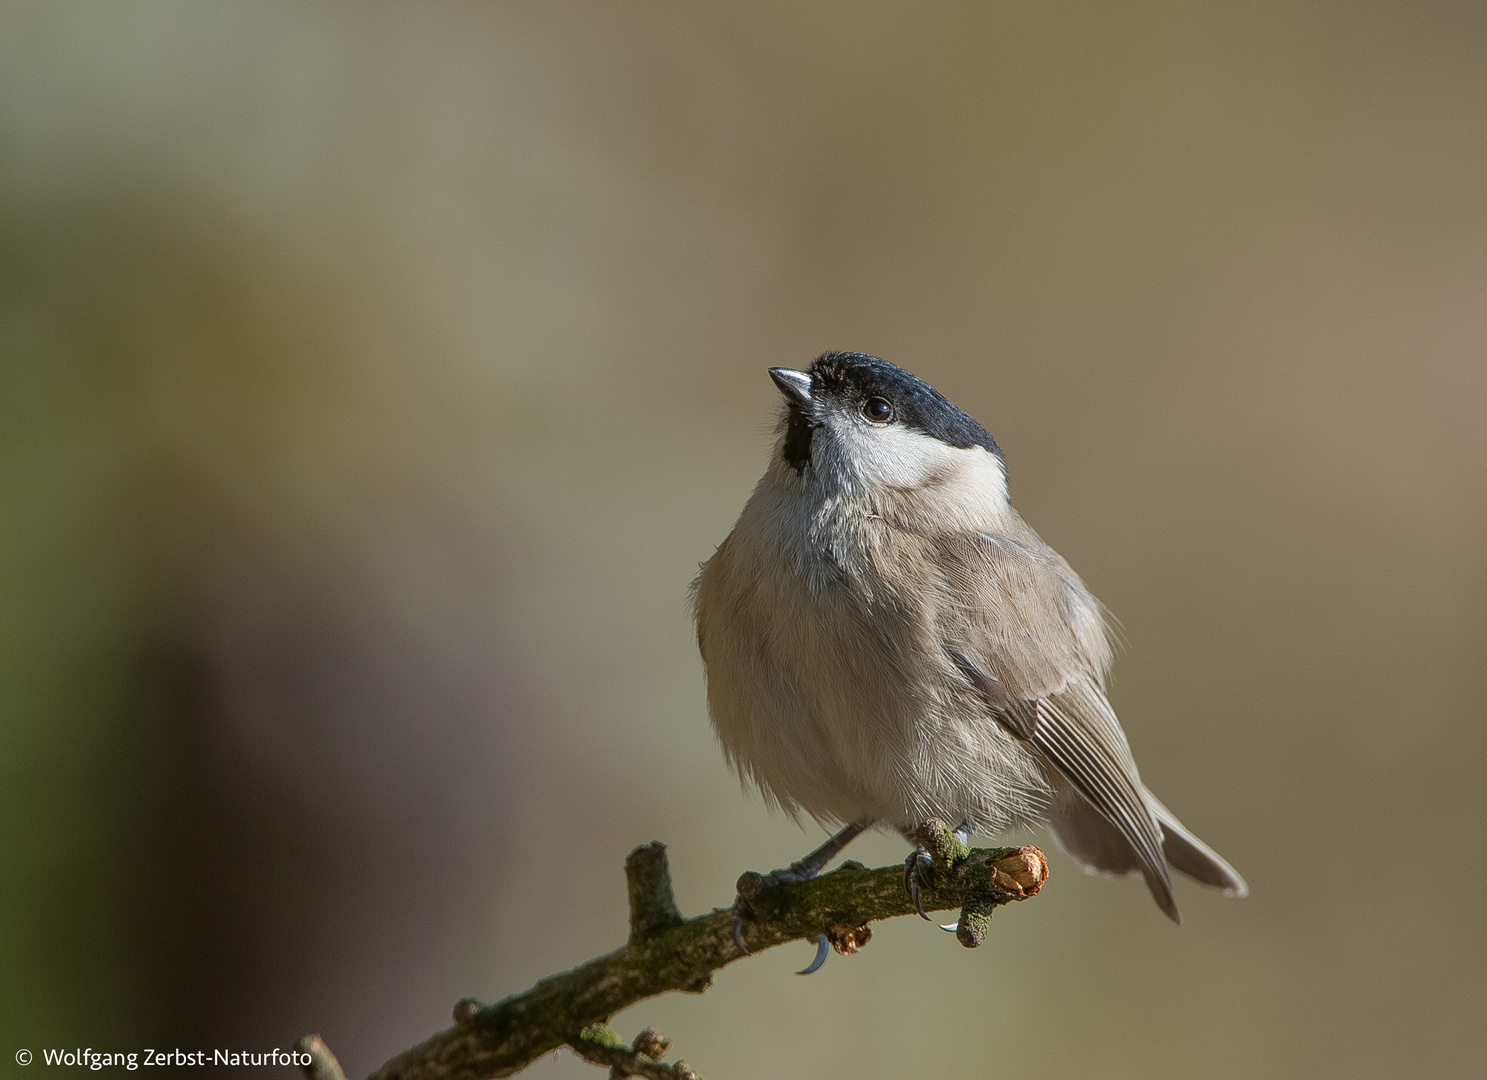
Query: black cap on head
point(856, 377)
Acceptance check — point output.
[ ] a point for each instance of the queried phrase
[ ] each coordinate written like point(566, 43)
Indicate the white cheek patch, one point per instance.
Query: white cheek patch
point(964, 488)
point(891, 455)
point(902, 457)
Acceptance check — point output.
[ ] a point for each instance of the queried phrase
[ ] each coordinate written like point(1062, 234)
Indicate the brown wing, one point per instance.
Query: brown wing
point(1028, 639)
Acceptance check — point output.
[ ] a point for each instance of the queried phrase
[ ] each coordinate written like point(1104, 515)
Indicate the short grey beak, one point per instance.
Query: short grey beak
point(795, 385)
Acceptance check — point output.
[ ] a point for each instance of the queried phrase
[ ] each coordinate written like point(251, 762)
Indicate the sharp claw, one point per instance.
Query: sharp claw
point(823, 950)
point(914, 866)
point(950, 927)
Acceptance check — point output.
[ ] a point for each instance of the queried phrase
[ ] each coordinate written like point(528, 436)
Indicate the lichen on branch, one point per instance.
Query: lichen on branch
point(668, 952)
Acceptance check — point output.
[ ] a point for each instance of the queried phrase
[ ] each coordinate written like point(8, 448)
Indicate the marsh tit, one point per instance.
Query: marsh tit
point(886, 640)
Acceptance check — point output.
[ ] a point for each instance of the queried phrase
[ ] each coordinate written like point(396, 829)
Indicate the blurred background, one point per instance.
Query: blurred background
point(374, 377)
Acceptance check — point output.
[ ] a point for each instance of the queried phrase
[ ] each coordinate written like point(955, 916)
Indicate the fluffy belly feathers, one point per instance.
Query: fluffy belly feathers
point(828, 693)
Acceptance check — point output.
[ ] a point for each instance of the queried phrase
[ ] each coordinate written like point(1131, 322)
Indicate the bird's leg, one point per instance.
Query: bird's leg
point(919, 867)
point(801, 870)
point(816, 861)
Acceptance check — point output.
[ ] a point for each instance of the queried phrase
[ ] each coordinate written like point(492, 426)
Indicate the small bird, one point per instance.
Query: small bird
point(886, 641)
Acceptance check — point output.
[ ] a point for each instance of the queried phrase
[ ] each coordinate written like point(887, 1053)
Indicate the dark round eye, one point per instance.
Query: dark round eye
point(878, 411)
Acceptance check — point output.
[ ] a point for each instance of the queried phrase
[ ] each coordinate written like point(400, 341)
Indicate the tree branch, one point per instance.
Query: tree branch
point(667, 952)
point(323, 1064)
point(599, 1044)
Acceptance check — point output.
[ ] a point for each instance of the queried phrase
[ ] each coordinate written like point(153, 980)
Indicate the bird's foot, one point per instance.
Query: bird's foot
point(741, 914)
point(918, 875)
point(919, 867)
point(755, 888)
